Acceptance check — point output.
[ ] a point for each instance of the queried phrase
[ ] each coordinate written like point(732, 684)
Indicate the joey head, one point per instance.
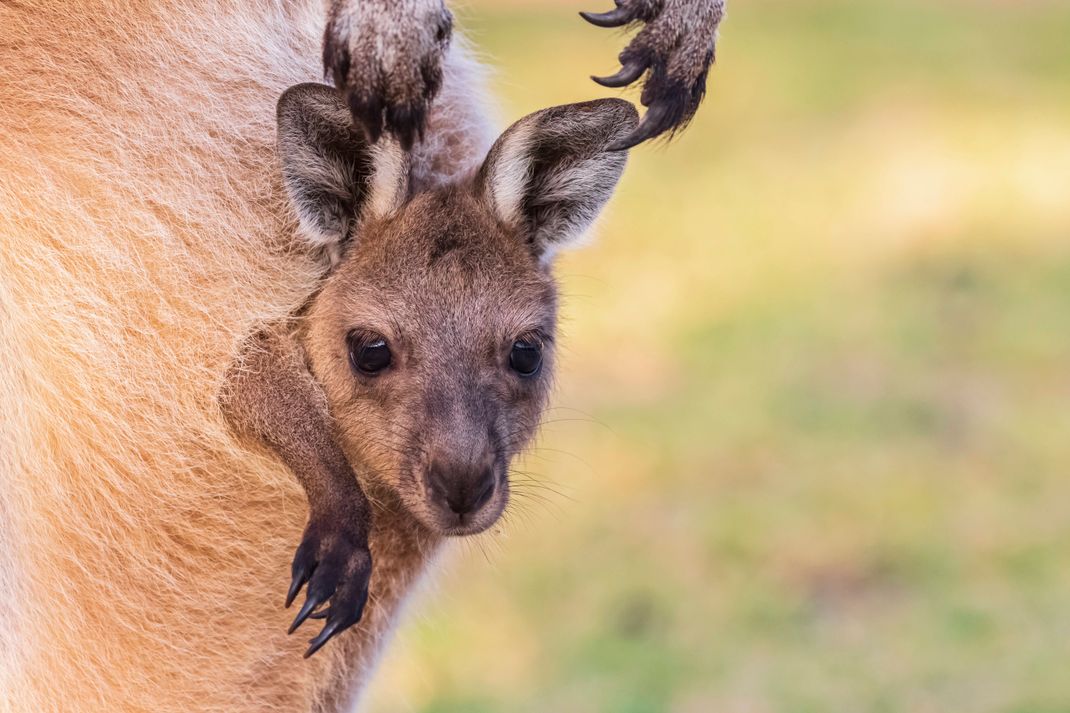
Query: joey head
point(422, 365)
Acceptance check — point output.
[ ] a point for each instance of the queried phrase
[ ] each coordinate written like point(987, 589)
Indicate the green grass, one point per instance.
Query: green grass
point(812, 436)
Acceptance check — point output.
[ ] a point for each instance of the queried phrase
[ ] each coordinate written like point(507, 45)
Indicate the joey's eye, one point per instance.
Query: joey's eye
point(368, 353)
point(525, 358)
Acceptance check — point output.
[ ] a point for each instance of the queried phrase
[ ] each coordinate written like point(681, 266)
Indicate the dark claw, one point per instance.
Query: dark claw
point(343, 613)
point(331, 628)
point(301, 574)
point(616, 17)
point(369, 114)
point(311, 603)
point(627, 74)
point(406, 123)
point(336, 566)
point(658, 118)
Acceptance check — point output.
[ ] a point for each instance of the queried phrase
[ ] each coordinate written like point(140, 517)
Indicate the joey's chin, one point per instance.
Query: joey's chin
point(464, 526)
point(451, 524)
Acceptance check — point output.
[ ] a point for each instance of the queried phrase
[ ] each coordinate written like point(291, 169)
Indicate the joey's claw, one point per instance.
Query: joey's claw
point(304, 564)
point(320, 639)
point(346, 608)
point(303, 613)
point(334, 560)
point(616, 17)
point(677, 44)
point(659, 118)
point(368, 113)
point(627, 74)
point(301, 573)
point(386, 60)
point(407, 121)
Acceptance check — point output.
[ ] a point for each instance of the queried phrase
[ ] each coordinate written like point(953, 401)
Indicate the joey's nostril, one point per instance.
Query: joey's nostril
point(484, 488)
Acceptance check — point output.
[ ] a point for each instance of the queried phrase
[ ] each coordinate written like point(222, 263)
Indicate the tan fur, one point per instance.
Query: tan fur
point(143, 234)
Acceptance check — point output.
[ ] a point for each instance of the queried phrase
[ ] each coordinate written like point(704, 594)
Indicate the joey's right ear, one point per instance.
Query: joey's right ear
point(331, 174)
point(549, 175)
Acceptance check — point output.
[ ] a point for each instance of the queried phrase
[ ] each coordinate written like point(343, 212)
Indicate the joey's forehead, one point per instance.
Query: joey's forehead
point(453, 228)
point(442, 264)
point(444, 302)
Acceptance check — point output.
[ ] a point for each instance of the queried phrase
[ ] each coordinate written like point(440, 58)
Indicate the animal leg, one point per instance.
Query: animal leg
point(385, 56)
point(675, 49)
point(270, 396)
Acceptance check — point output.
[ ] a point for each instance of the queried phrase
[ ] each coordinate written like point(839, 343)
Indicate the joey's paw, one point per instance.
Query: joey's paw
point(674, 48)
point(386, 59)
point(335, 562)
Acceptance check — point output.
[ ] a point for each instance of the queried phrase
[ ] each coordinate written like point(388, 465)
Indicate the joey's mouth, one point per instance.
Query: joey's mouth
point(468, 527)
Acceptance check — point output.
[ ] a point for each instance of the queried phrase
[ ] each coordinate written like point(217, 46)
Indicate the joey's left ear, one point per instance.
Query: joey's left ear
point(550, 173)
point(333, 177)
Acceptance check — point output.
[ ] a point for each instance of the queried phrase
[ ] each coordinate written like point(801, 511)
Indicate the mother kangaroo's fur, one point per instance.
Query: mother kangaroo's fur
point(143, 234)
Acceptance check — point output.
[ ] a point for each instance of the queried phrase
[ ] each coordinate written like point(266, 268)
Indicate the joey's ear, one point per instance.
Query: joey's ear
point(332, 176)
point(550, 173)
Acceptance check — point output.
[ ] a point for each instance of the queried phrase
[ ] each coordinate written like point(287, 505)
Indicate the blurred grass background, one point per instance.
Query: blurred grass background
point(811, 441)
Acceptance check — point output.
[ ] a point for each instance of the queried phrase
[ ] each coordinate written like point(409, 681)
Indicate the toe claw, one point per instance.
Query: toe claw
point(300, 576)
point(656, 121)
point(627, 74)
point(323, 637)
point(616, 17)
point(406, 123)
point(310, 604)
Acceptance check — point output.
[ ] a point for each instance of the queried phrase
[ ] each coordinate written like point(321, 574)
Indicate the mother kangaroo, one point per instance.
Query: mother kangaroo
point(146, 230)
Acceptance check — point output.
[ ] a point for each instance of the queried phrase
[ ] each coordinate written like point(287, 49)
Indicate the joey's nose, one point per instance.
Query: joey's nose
point(461, 490)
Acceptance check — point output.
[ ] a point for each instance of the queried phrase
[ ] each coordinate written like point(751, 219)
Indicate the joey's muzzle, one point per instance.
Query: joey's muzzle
point(465, 495)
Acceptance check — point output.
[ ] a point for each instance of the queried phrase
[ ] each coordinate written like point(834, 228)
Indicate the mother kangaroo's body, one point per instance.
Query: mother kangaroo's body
point(143, 234)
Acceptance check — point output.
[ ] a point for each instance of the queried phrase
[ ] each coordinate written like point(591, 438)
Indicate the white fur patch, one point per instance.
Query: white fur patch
point(511, 173)
point(389, 183)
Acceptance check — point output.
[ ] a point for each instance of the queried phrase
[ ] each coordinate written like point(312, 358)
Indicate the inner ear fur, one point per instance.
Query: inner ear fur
point(550, 174)
point(332, 176)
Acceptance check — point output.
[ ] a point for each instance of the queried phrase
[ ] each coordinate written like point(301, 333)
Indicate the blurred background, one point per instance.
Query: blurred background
point(811, 439)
